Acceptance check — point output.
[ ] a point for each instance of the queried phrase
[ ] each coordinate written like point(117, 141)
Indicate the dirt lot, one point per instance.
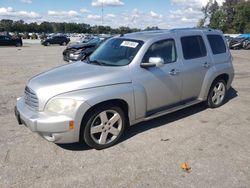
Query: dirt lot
point(215, 143)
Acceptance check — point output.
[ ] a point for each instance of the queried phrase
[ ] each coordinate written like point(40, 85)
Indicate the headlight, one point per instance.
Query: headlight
point(61, 106)
point(78, 51)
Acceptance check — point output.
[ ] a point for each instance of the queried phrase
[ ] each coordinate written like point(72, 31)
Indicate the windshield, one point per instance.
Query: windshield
point(93, 41)
point(116, 52)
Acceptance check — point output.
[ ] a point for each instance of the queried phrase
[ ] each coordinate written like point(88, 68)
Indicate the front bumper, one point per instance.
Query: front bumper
point(72, 57)
point(54, 128)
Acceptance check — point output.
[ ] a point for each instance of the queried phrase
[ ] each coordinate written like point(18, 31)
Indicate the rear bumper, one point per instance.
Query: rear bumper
point(53, 128)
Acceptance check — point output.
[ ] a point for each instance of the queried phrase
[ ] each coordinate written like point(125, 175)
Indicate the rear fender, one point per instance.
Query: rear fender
point(212, 74)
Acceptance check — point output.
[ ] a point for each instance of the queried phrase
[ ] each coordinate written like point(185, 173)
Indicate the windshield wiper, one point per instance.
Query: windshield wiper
point(95, 62)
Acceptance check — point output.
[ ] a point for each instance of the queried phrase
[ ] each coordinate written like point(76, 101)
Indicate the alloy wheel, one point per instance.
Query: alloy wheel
point(218, 95)
point(106, 127)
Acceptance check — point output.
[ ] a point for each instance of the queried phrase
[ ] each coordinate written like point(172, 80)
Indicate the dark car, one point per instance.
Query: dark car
point(80, 51)
point(237, 43)
point(240, 42)
point(6, 40)
point(61, 40)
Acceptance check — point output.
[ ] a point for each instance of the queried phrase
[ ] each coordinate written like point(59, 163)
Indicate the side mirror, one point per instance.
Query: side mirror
point(153, 62)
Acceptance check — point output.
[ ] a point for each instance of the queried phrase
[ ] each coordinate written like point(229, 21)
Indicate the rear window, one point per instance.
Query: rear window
point(217, 44)
point(193, 47)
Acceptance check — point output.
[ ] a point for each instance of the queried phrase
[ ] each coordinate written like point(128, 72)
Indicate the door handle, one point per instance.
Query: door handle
point(206, 65)
point(174, 72)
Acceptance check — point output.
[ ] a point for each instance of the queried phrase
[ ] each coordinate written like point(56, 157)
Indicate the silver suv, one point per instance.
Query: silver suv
point(129, 79)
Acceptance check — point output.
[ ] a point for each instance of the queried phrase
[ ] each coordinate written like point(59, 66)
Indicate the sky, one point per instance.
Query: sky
point(165, 14)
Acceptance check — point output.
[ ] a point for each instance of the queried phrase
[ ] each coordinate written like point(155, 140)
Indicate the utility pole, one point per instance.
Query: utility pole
point(132, 21)
point(102, 12)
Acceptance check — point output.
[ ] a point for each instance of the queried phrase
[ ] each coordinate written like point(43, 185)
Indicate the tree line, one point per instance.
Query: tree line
point(233, 16)
point(53, 27)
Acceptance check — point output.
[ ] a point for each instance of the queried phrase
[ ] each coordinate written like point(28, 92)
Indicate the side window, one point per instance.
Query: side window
point(193, 47)
point(7, 38)
point(164, 49)
point(217, 44)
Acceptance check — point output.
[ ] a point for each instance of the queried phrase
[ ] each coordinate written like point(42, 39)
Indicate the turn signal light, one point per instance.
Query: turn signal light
point(71, 125)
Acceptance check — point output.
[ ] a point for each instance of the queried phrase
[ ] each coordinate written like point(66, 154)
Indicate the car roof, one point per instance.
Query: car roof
point(147, 35)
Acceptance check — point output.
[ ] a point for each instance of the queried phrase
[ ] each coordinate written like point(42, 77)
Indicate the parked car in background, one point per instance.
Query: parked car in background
point(246, 44)
point(7, 40)
point(80, 51)
point(60, 39)
point(128, 79)
point(240, 42)
point(237, 43)
point(84, 39)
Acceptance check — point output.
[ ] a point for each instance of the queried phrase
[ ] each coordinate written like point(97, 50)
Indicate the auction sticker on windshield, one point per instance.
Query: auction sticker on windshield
point(129, 44)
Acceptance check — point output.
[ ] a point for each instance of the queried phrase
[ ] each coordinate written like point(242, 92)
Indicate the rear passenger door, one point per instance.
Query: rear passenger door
point(55, 40)
point(61, 40)
point(7, 41)
point(2, 42)
point(196, 63)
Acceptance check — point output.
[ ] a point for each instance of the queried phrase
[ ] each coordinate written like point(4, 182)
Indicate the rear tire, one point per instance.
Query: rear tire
point(104, 126)
point(18, 44)
point(217, 94)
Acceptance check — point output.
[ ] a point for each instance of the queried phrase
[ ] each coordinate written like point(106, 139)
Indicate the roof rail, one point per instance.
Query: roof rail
point(192, 28)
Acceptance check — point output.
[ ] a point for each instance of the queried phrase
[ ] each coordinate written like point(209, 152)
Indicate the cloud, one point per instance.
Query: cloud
point(26, 1)
point(94, 17)
point(186, 12)
point(99, 3)
point(110, 15)
point(195, 4)
point(155, 15)
point(84, 10)
point(70, 13)
point(9, 12)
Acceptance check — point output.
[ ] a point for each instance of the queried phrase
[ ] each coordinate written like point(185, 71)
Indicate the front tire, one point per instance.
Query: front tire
point(104, 127)
point(217, 94)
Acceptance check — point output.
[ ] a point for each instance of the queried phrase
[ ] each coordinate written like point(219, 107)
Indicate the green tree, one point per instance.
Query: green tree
point(6, 24)
point(241, 21)
point(218, 20)
point(232, 17)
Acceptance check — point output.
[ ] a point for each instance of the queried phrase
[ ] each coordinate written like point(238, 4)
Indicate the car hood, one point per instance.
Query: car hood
point(80, 45)
point(76, 76)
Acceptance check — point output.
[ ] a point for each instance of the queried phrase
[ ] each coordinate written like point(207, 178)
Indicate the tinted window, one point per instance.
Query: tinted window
point(193, 47)
point(217, 44)
point(164, 49)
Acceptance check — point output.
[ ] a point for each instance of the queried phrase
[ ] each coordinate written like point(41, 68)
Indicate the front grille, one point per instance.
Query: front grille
point(31, 98)
point(70, 50)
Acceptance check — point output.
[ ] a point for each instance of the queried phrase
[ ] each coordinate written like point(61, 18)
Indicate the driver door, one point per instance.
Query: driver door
point(163, 85)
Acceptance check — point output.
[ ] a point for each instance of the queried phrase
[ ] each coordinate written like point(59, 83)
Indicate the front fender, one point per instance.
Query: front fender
point(97, 95)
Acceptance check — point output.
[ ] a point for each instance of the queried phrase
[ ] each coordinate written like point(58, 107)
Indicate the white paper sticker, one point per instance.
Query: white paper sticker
point(129, 44)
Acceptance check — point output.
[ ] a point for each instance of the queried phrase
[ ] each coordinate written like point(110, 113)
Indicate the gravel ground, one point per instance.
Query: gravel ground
point(215, 143)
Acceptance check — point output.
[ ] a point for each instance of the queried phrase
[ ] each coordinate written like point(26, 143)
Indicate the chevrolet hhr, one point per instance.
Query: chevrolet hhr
point(129, 79)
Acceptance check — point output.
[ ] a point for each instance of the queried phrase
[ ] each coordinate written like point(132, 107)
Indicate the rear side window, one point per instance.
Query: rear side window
point(217, 44)
point(193, 47)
